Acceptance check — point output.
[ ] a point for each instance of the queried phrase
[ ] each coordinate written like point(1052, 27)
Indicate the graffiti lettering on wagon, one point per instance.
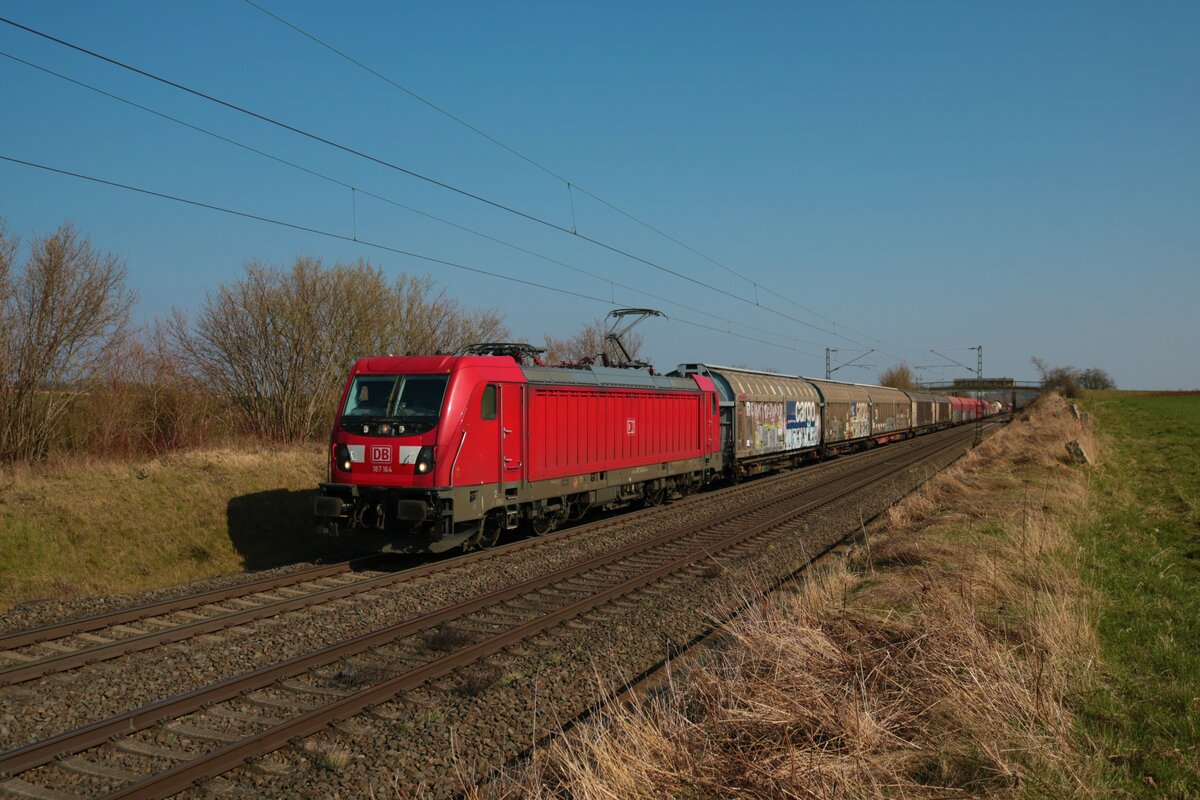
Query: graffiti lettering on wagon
point(764, 425)
point(803, 424)
point(859, 423)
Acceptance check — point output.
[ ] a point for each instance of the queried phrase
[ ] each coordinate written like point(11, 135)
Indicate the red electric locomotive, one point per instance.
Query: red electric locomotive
point(437, 452)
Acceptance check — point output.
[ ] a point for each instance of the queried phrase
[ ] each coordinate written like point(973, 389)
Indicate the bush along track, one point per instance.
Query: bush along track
point(942, 658)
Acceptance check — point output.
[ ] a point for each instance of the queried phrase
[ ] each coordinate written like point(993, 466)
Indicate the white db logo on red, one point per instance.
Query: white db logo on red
point(630, 427)
point(381, 454)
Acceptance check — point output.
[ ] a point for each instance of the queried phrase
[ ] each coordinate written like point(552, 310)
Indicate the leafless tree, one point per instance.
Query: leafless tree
point(899, 377)
point(588, 343)
point(63, 317)
point(1064, 380)
point(8, 254)
point(1096, 378)
point(277, 344)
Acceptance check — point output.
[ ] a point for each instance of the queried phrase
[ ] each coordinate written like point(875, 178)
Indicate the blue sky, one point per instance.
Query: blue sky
point(1024, 176)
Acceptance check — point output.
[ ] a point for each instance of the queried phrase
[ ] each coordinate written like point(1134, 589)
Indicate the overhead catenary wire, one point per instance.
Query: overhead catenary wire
point(354, 191)
point(377, 245)
point(419, 176)
point(547, 170)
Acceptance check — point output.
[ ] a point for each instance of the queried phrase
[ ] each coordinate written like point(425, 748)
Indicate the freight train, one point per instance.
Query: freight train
point(432, 453)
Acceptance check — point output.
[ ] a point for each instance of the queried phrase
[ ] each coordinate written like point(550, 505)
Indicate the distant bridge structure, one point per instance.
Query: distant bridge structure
point(983, 385)
point(1017, 392)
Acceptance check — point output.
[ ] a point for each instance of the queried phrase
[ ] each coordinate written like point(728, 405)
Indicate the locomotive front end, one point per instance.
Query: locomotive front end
point(384, 454)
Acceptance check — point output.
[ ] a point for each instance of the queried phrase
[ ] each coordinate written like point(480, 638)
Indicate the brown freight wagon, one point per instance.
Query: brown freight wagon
point(847, 412)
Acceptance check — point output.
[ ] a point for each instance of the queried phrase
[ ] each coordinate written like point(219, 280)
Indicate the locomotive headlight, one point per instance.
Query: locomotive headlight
point(425, 460)
point(342, 454)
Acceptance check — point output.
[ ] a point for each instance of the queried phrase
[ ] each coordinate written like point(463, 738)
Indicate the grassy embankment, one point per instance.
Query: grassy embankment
point(1143, 557)
point(73, 529)
point(945, 660)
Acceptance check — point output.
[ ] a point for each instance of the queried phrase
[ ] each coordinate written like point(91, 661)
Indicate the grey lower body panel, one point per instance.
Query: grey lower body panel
point(416, 520)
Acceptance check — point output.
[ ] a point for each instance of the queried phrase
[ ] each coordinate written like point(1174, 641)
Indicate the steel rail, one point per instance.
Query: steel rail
point(60, 630)
point(183, 776)
point(40, 753)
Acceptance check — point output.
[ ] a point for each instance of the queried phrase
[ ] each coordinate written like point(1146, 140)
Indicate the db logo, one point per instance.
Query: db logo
point(630, 427)
point(381, 454)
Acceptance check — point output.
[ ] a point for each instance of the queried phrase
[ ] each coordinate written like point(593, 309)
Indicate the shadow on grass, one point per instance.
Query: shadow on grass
point(277, 527)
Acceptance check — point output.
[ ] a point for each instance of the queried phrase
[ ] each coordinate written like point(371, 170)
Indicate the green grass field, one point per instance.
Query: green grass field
point(1142, 554)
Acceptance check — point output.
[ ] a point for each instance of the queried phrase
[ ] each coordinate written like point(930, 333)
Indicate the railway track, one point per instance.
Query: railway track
point(31, 654)
point(199, 734)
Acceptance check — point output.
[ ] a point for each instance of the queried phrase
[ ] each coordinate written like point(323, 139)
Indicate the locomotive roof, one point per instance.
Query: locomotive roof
point(591, 375)
point(433, 365)
point(616, 377)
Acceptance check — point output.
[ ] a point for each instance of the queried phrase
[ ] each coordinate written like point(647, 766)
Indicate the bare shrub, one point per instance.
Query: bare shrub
point(899, 377)
point(148, 403)
point(1069, 380)
point(64, 317)
point(1096, 378)
point(276, 344)
point(175, 410)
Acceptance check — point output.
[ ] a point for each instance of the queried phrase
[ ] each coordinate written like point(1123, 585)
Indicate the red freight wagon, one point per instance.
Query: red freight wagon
point(958, 409)
point(445, 451)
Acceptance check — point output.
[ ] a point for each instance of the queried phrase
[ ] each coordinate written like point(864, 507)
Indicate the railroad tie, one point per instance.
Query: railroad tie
point(304, 688)
point(81, 766)
point(279, 704)
point(139, 748)
point(242, 716)
point(201, 734)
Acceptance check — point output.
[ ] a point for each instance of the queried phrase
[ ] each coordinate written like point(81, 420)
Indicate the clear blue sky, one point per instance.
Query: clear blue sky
point(1025, 176)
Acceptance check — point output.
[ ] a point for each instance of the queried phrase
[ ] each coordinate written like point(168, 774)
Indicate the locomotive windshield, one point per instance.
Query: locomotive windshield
point(396, 397)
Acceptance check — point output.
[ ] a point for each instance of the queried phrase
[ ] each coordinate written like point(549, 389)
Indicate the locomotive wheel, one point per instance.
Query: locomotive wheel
point(654, 497)
point(488, 535)
point(578, 507)
point(549, 522)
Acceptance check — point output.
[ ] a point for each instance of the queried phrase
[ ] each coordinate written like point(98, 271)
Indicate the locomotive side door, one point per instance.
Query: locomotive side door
point(512, 433)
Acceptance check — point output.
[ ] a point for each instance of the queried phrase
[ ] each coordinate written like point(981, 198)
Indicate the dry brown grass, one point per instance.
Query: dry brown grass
point(89, 526)
point(330, 756)
point(940, 666)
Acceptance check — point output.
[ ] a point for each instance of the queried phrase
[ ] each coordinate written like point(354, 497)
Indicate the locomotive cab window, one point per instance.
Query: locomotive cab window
point(488, 406)
point(414, 400)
